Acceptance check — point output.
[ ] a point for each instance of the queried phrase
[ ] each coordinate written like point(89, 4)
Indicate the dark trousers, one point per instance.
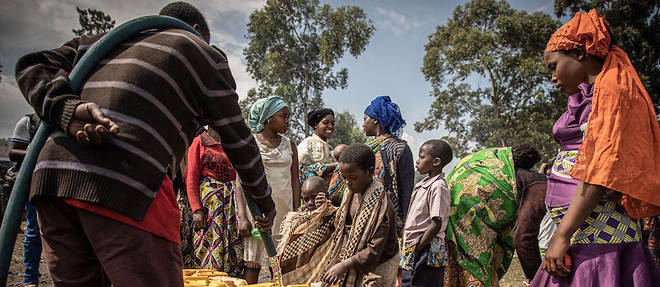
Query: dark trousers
point(83, 248)
point(422, 274)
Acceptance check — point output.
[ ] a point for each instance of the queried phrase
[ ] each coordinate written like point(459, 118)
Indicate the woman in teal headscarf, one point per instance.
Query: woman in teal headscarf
point(269, 119)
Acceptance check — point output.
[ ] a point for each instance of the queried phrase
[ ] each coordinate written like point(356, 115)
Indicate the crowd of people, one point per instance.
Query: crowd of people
point(149, 170)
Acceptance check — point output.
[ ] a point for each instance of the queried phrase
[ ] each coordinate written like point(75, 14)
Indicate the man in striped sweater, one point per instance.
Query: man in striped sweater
point(106, 206)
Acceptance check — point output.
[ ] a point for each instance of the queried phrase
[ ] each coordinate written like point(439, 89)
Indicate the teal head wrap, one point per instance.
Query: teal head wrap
point(263, 109)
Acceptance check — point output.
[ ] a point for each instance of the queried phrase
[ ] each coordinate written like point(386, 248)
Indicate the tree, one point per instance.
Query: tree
point(93, 22)
point(636, 29)
point(294, 48)
point(347, 131)
point(486, 40)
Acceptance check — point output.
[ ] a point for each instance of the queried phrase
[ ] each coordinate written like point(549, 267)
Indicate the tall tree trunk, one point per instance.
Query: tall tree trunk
point(493, 93)
point(305, 98)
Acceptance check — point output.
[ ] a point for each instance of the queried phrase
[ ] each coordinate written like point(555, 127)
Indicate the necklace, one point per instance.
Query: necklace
point(270, 139)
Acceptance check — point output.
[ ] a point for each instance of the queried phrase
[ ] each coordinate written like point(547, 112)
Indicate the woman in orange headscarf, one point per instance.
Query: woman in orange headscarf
point(614, 167)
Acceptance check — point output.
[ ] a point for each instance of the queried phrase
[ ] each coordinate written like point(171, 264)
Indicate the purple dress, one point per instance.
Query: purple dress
point(606, 250)
point(568, 133)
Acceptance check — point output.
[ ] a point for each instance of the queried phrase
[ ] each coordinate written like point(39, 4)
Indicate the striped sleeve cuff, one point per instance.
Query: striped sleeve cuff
point(63, 116)
point(17, 140)
point(265, 202)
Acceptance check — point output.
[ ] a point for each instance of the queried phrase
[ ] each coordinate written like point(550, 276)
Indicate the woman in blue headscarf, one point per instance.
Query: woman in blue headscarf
point(269, 119)
point(394, 161)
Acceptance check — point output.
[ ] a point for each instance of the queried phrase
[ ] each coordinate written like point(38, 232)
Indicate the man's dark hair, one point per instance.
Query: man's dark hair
point(359, 154)
point(189, 14)
point(525, 156)
point(439, 149)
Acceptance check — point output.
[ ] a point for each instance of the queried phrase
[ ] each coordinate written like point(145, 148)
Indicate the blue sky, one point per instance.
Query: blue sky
point(389, 66)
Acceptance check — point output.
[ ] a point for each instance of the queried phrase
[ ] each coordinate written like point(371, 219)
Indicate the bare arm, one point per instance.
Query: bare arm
point(17, 151)
point(429, 234)
point(240, 201)
point(244, 225)
point(584, 201)
point(295, 184)
point(329, 168)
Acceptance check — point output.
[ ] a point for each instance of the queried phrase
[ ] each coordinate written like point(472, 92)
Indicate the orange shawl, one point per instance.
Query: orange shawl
point(621, 147)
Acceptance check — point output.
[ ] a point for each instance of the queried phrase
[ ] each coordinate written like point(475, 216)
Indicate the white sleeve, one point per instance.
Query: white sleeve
point(22, 131)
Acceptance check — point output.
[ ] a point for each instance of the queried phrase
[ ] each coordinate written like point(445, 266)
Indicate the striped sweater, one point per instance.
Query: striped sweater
point(159, 87)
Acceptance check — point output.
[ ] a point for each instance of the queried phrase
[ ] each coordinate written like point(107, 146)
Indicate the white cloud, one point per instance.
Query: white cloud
point(547, 8)
point(395, 22)
point(413, 142)
point(239, 70)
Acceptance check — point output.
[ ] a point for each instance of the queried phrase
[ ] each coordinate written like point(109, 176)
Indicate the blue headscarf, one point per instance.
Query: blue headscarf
point(388, 114)
point(263, 109)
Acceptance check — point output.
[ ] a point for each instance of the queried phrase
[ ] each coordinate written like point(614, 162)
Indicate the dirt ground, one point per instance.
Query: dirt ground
point(513, 278)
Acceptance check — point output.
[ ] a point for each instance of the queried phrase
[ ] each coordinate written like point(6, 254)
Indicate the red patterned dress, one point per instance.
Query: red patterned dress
point(210, 184)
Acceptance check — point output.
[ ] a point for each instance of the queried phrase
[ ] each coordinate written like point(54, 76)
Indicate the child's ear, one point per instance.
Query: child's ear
point(437, 161)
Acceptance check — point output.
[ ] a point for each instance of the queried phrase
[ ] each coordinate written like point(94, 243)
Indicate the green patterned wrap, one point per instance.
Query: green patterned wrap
point(483, 210)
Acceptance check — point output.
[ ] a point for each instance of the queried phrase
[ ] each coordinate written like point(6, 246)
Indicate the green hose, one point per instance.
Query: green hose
point(12, 218)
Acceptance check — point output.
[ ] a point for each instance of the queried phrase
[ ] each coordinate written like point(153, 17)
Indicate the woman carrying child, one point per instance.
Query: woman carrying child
point(269, 119)
point(606, 175)
point(314, 153)
point(211, 191)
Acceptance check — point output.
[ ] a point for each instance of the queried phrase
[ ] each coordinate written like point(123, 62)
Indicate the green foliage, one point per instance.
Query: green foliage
point(4, 141)
point(347, 131)
point(93, 22)
point(294, 48)
point(636, 29)
point(488, 78)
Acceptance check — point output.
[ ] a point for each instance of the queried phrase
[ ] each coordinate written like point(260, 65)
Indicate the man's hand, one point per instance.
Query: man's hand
point(554, 257)
point(90, 125)
point(335, 272)
point(264, 223)
point(244, 227)
point(199, 219)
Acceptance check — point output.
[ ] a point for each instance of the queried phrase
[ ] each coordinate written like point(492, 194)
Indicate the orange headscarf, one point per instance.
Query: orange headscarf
point(621, 147)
